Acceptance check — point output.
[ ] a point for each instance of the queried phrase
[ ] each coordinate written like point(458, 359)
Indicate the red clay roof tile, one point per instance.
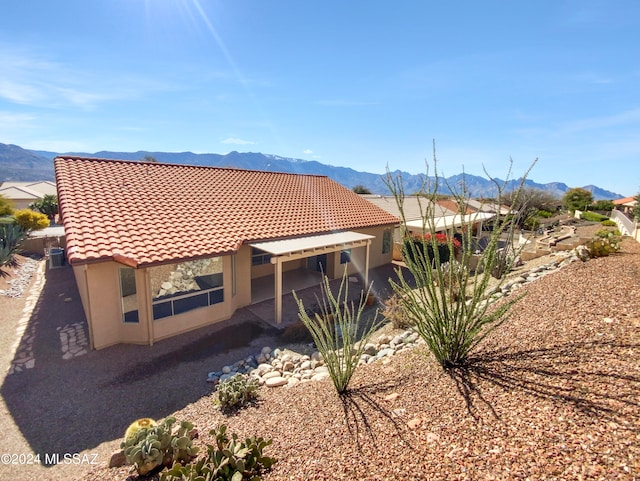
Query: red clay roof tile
point(154, 212)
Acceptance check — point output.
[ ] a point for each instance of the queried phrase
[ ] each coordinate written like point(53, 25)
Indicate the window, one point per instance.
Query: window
point(178, 288)
point(387, 241)
point(345, 256)
point(259, 257)
point(128, 295)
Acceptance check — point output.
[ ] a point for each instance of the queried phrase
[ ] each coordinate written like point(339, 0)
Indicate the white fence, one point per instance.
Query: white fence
point(625, 225)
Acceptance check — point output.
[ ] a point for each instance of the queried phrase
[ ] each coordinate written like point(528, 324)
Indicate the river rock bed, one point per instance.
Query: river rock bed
point(22, 278)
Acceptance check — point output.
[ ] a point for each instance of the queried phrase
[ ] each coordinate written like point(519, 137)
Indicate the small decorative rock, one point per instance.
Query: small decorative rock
point(320, 376)
point(414, 423)
point(117, 459)
point(292, 381)
point(276, 381)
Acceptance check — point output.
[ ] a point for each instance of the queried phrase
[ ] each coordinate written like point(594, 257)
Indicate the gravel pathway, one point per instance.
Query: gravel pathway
point(553, 394)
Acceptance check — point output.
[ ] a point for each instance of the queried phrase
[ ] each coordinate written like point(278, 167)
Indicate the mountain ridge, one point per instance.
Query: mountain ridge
point(18, 164)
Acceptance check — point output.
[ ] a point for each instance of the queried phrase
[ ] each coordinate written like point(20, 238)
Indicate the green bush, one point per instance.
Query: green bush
point(604, 233)
point(609, 223)
point(593, 217)
point(531, 222)
point(237, 391)
point(545, 214)
point(228, 460)
point(150, 448)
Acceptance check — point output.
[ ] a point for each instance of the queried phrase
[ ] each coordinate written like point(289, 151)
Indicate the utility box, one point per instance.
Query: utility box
point(56, 257)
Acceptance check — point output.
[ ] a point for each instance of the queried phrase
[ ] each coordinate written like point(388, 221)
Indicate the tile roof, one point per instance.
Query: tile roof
point(626, 200)
point(453, 206)
point(414, 207)
point(145, 212)
point(19, 193)
point(41, 187)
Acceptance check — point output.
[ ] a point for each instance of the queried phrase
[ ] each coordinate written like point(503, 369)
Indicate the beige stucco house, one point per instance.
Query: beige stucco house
point(22, 194)
point(160, 249)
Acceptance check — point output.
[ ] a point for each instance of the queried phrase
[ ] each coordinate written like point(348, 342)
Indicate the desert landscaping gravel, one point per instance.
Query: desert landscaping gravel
point(553, 393)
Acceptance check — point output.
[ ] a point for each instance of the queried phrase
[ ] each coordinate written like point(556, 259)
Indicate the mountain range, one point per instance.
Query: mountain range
point(18, 164)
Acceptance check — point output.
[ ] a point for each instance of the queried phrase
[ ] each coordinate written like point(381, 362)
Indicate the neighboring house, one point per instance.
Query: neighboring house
point(491, 207)
point(625, 205)
point(22, 194)
point(452, 206)
point(421, 215)
point(160, 249)
point(414, 207)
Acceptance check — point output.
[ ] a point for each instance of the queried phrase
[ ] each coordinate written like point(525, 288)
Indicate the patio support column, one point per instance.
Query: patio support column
point(278, 288)
point(366, 264)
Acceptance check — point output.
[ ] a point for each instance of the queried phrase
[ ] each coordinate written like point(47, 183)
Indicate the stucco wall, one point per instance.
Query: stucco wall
point(268, 269)
point(100, 293)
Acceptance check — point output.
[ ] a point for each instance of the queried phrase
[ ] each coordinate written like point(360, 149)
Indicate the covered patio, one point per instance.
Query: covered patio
point(285, 250)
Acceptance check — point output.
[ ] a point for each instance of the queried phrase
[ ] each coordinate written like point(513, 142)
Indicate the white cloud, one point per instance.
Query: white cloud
point(307, 151)
point(236, 141)
point(27, 78)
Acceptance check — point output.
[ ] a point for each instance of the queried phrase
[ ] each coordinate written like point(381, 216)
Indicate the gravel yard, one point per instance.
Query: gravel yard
point(553, 394)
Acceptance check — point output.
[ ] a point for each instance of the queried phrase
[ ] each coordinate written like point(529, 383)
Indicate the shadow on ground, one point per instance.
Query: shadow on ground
point(565, 374)
point(66, 398)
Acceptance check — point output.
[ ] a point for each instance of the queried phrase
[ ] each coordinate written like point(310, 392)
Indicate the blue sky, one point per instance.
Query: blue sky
point(350, 83)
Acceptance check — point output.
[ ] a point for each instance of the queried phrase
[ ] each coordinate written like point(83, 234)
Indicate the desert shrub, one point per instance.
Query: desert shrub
point(603, 246)
point(153, 447)
point(393, 312)
point(6, 206)
point(30, 220)
point(607, 233)
point(228, 460)
point(237, 391)
point(531, 222)
point(609, 223)
point(449, 305)
point(593, 217)
point(339, 331)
